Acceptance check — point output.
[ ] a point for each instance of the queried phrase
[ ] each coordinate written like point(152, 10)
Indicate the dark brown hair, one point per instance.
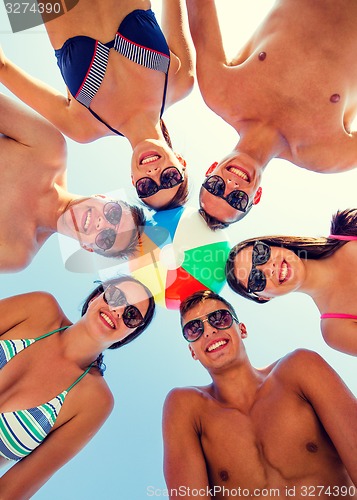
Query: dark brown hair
point(344, 223)
point(200, 297)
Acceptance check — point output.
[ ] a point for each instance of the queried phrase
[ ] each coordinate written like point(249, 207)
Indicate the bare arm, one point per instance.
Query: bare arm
point(333, 403)
point(340, 335)
point(174, 24)
point(29, 129)
point(44, 99)
point(29, 307)
point(184, 462)
point(62, 444)
point(211, 58)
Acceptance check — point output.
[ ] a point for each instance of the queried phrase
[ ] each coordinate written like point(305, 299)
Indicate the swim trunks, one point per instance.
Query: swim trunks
point(83, 60)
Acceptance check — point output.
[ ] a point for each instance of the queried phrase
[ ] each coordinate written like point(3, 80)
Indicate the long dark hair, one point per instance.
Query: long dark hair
point(182, 193)
point(133, 335)
point(344, 223)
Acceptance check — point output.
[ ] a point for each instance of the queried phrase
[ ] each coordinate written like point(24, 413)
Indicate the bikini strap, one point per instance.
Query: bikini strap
point(338, 316)
point(50, 333)
point(80, 377)
point(102, 121)
point(342, 237)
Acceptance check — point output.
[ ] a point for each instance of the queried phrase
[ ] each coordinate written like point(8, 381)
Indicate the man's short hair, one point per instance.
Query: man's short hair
point(139, 219)
point(212, 222)
point(215, 224)
point(200, 297)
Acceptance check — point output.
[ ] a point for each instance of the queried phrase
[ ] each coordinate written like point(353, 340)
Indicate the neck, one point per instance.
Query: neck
point(237, 385)
point(140, 128)
point(64, 200)
point(260, 141)
point(319, 276)
point(78, 347)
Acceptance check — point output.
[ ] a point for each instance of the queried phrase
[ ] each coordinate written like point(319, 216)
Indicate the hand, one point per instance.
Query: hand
point(2, 58)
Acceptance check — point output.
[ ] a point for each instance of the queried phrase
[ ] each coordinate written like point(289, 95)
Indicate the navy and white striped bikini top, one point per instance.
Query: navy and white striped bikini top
point(83, 60)
point(23, 431)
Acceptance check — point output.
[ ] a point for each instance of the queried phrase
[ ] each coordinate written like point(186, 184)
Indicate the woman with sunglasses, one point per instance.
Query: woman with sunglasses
point(324, 268)
point(121, 71)
point(53, 369)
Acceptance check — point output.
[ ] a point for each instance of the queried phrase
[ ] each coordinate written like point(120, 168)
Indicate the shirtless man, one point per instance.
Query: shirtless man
point(35, 202)
point(291, 93)
point(278, 431)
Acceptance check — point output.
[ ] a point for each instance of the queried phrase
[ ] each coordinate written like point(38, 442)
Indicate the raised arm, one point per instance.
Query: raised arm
point(184, 462)
point(29, 129)
point(44, 99)
point(38, 308)
point(174, 24)
point(29, 474)
point(334, 404)
point(211, 58)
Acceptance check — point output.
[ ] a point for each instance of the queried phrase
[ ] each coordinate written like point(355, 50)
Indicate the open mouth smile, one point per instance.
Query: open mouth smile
point(284, 272)
point(87, 217)
point(239, 172)
point(148, 158)
point(107, 320)
point(217, 345)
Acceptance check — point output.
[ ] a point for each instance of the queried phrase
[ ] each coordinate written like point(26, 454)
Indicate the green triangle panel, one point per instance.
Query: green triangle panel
point(207, 264)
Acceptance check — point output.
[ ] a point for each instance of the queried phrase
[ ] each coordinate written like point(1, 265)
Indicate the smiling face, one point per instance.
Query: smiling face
point(239, 173)
point(284, 271)
point(215, 349)
point(150, 158)
point(99, 224)
point(106, 322)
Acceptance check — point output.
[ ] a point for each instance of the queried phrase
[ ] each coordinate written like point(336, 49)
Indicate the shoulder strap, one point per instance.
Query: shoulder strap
point(80, 377)
point(50, 333)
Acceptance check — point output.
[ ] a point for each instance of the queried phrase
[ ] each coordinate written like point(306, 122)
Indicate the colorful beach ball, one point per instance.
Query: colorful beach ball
point(179, 256)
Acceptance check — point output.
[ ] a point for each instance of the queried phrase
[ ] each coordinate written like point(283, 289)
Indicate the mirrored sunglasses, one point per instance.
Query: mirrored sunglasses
point(220, 319)
point(115, 297)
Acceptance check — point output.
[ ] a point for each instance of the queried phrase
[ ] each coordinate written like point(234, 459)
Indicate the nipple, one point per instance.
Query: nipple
point(312, 447)
point(224, 475)
point(262, 56)
point(335, 98)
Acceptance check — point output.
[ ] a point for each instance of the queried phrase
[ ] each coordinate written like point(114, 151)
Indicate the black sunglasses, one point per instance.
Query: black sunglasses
point(114, 297)
point(260, 255)
point(237, 199)
point(169, 178)
point(105, 239)
point(220, 319)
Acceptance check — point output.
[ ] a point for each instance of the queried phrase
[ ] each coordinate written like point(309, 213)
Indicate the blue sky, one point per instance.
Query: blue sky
point(125, 457)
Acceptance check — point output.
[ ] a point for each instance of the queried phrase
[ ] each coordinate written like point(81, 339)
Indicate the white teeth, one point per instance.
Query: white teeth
point(88, 218)
point(283, 272)
point(240, 173)
point(149, 159)
point(107, 319)
point(214, 346)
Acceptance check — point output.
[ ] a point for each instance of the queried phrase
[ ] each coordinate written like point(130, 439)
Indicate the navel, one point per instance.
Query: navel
point(312, 447)
point(224, 475)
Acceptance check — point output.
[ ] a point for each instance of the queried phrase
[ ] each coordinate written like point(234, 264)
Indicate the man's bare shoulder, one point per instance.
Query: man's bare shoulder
point(186, 399)
point(294, 365)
